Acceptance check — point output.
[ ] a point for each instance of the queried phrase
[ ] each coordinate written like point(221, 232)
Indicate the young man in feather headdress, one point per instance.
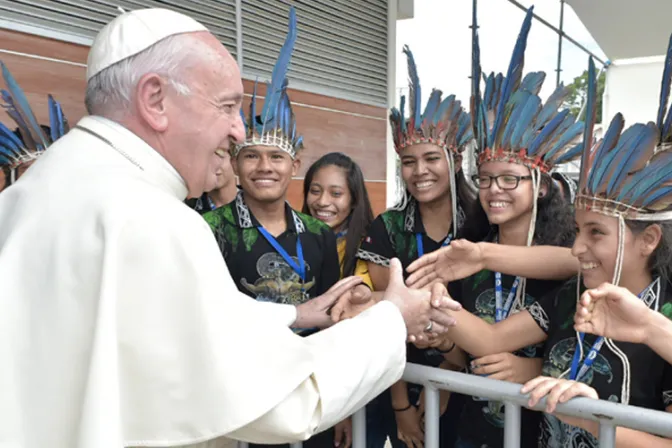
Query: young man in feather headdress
point(274, 253)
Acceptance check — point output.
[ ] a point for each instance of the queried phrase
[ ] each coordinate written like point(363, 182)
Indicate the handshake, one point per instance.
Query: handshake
point(426, 312)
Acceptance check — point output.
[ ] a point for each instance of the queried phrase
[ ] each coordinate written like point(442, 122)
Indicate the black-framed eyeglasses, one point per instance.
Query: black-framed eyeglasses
point(504, 181)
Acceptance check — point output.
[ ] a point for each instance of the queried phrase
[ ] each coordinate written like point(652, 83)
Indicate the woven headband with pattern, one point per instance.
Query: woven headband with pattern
point(443, 123)
point(510, 122)
point(276, 125)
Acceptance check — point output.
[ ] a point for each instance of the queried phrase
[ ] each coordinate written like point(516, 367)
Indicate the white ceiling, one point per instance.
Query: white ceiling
point(627, 29)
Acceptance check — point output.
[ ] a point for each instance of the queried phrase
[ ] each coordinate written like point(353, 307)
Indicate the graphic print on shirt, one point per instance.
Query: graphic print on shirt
point(621, 372)
point(485, 305)
point(557, 365)
point(278, 282)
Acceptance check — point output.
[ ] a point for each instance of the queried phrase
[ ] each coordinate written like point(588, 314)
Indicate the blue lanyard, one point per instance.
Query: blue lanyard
point(298, 268)
point(592, 354)
point(502, 313)
point(342, 233)
point(421, 247)
point(211, 204)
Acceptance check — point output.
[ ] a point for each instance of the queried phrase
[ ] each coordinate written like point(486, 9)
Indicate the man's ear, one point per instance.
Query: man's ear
point(150, 101)
point(296, 164)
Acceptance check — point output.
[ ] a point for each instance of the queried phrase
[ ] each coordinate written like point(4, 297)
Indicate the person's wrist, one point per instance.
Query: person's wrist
point(300, 315)
point(654, 329)
point(485, 255)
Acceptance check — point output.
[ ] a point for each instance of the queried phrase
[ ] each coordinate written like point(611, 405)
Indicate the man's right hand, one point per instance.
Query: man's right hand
point(419, 308)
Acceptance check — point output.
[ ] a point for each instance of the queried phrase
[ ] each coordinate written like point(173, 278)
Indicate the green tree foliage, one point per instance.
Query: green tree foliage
point(577, 94)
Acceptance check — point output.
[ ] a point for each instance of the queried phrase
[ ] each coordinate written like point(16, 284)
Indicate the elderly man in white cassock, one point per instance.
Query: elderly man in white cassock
point(119, 322)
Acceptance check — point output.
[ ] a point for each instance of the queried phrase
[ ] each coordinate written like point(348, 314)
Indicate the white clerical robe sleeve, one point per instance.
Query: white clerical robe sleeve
point(199, 360)
point(283, 312)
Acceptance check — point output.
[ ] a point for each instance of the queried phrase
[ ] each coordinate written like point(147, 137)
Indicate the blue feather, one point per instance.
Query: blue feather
point(546, 132)
point(642, 150)
point(17, 101)
point(646, 180)
point(533, 82)
point(552, 105)
point(565, 139)
point(431, 107)
point(414, 91)
point(242, 118)
point(665, 89)
point(570, 154)
point(589, 125)
point(279, 75)
point(513, 75)
point(402, 119)
point(443, 109)
point(525, 120)
point(604, 157)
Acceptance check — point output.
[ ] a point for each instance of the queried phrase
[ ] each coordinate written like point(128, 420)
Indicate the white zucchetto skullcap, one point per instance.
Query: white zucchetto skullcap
point(132, 32)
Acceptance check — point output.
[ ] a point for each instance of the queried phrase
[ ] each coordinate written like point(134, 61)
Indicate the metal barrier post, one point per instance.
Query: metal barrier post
point(359, 429)
point(243, 445)
point(511, 425)
point(431, 417)
point(607, 438)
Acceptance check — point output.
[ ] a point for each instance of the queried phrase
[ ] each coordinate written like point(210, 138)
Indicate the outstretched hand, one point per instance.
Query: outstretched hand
point(613, 312)
point(419, 308)
point(456, 261)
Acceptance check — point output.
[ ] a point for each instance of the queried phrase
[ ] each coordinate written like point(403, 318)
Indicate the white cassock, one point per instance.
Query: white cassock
point(121, 326)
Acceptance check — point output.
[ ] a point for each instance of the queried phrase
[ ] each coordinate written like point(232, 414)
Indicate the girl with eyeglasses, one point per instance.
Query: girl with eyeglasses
point(519, 141)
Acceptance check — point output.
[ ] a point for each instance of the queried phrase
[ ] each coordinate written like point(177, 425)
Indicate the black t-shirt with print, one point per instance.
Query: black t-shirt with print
point(482, 421)
point(639, 378)
point(259, 270)
point(202, 204)
point(393, 235)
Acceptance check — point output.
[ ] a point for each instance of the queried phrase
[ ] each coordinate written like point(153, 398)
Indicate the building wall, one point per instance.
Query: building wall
point(43, 66)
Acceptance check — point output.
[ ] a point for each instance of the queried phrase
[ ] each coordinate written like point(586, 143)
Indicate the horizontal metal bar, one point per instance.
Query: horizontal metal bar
point(654, 422)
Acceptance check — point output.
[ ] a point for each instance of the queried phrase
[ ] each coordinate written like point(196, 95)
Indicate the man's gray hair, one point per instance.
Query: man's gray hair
point(109, 92)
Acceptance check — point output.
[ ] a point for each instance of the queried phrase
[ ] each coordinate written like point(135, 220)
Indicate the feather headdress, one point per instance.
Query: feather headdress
point(628, 174)
point(510, 122)
point(443, 123)
point(30, 140)
point(276, 126)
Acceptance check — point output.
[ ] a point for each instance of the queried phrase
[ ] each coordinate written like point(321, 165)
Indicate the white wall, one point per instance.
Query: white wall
point(632, 87)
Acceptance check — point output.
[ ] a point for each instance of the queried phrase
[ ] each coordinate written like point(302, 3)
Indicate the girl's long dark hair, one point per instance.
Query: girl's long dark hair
point(361, 215)
point(554, 226)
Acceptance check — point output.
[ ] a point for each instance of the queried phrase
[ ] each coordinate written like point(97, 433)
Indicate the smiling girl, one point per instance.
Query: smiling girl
point(624, 235)
point(334, 192)
point(430, 146)
point(519, 141)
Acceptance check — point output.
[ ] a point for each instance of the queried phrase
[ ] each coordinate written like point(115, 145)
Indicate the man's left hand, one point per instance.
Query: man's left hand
point(315, 312)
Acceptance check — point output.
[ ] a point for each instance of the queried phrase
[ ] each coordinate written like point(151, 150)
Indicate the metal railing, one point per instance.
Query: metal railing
point(609, 415)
